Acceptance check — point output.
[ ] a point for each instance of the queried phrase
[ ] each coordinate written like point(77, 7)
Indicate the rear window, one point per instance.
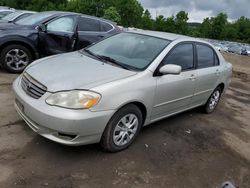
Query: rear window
point(88, 24)
point(106, 27)
point(205, 56)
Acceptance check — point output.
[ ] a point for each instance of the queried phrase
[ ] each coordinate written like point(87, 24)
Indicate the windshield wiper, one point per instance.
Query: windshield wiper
point(93, 54)
point(111, 60)
point(108, 59)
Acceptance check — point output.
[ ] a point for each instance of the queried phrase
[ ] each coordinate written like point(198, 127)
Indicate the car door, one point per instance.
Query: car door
point(89, 31)
point(208, 73)
point(174, 92)
point(59, 36)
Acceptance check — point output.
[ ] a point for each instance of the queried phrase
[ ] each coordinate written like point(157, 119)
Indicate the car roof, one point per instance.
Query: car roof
point(62, 13)
point(164, 35)
point(7, 10)
point(25, 11)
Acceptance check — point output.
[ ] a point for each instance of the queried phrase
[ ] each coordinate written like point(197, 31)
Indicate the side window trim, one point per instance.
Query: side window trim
point(156, 72)
point(214, 52)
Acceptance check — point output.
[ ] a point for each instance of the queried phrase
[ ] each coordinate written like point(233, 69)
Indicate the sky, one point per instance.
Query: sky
point(198, 9)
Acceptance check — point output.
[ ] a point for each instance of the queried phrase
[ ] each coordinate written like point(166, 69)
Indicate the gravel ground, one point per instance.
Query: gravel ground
point(190, 150)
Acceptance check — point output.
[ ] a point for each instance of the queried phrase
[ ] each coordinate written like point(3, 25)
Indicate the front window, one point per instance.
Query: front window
point(63, 24)
point(181, 55)
point(132, 50)
point(34, 19)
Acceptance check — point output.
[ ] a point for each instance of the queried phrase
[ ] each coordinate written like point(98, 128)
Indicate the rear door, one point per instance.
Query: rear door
point(208, 73)
point(91, 30)
point(60, 35)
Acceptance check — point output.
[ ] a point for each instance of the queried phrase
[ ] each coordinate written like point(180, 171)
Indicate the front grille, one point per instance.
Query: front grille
point(32, 87)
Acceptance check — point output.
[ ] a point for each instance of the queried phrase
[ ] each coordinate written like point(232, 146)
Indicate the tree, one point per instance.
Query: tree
point(218, 23)
point(112, 14)
point(147, 22)
point(243, 28)
point(131, 12)
point(181, 22)
point(205, 28)
point(160, 22)
point(170, 25)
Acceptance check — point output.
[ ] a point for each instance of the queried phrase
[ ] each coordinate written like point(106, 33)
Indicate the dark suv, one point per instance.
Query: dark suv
point(49, 33)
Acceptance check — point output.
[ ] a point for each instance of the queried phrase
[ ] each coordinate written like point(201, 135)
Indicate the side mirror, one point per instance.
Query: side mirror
point(170, 69)
point(42, 28)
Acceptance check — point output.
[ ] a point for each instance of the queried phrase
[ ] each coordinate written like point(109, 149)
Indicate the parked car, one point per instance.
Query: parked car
point(108, 91)
point(49, 33)
point(5, 11)
point(234, 48)
point(246, 51)
point(15, 16)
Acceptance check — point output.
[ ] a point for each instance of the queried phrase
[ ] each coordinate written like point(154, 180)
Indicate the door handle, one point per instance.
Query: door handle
point(217, 72)
point(192, 77)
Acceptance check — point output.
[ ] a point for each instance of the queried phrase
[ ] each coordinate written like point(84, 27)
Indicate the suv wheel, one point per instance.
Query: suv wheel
point(14, 58)
point(122, 129)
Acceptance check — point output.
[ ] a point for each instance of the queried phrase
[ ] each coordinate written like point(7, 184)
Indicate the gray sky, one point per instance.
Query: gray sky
point(198, 9)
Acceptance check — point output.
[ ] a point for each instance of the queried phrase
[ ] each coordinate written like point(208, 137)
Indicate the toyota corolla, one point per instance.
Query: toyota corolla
point(107, 92)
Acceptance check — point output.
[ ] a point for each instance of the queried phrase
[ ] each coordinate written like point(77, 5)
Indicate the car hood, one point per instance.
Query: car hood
point(11, 26)
point(74, 71)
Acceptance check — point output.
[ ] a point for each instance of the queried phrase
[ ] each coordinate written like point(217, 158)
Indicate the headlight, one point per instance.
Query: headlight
point(75, 99)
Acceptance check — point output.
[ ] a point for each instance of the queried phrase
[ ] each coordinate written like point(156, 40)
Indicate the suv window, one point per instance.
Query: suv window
point(205, 56)
point(88, 24)
point(106, 27)
point(63, 24)
point(181, 55)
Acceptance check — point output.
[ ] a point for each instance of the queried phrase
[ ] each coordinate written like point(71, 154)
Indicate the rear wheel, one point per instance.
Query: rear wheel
point(14, 58)
point(122, 129)
point(213, 100)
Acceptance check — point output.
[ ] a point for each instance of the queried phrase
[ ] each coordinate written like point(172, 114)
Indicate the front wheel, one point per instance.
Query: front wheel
point(14, 58)
point(122, 129)
point(213, 100)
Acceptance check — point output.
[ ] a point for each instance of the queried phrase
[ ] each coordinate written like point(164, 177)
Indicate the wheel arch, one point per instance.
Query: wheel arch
point(26, 44)
point(141, 106)
point(222, 86)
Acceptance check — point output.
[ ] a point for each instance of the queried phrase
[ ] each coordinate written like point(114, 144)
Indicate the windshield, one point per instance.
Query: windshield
point(4, 13)
point(134, 50)
point(33, 19)
point(11, 16)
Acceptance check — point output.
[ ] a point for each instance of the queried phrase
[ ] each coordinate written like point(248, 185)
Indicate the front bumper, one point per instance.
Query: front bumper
point(65, 126)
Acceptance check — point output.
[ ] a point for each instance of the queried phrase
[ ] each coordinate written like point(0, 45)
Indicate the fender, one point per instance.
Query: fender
point(20, 39)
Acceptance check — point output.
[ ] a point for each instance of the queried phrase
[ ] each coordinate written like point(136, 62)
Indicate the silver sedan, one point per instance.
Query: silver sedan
point(105, 93)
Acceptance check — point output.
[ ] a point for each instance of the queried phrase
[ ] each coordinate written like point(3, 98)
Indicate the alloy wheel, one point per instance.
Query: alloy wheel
point(16, 59)
point(125, 129)
point(214, 99)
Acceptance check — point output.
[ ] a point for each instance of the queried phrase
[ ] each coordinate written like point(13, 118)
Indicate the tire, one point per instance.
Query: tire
point(213, 101)
point(117, 136)
point(15, 58)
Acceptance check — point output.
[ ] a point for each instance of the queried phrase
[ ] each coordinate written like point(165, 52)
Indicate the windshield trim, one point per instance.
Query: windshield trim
point(129, 32)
